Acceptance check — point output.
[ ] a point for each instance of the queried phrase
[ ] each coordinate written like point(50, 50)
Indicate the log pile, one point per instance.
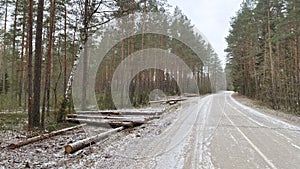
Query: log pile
point(124, 112)
point(117, 118)
point(105, 122)
point(114, 118)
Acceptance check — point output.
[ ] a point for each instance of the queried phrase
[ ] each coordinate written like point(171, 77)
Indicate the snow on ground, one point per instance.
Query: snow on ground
point(50, 153)
point(288, 121)
point(129, 147)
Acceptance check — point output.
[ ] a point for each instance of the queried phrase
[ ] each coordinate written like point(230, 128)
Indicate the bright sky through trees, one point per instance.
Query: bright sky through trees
point(212, 18)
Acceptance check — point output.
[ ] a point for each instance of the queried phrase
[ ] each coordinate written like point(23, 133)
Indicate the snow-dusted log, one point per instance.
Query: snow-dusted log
point(119, 112)
point(117, 118)
point(169, 101)
point(43, 136)
point(191, 95)
point(107, 122)
point(70, 148)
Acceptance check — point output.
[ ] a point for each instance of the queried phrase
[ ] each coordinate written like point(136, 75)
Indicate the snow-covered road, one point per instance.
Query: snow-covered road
point(218, 132)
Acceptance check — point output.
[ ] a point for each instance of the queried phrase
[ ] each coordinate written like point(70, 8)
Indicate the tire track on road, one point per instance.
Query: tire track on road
point(266, 159)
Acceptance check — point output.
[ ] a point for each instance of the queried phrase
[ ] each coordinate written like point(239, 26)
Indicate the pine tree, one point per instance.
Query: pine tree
point(36, 121)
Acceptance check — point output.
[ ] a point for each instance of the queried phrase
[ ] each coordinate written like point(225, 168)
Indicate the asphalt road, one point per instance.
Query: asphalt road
point(218, 132)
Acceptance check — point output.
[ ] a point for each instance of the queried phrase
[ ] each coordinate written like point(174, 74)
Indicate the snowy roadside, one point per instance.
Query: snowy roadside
point(121, 150)
point(290, 118)
point(50, 153)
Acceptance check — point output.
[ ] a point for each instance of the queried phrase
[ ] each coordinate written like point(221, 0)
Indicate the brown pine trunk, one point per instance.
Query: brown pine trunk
point(122, 54)
point(46, 97)
point(13, 72)
point(22, 57)
point(133, 26)
point(4, 52)
point(296, 48)
point(132, 40)
point(29, 65)
point(139, 76)
point(270, 50)
point(38, 66)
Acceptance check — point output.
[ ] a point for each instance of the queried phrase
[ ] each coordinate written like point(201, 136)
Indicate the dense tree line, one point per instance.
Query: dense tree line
point(42, 41)
point(263, 52)
point(206, 70)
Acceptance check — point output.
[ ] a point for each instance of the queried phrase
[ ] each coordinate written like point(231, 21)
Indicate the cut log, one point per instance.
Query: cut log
point(191, 95)
point(169, 101)
point(106, 122)
point(180, 99)
point(117, 118)
point(70, 148)
point(43, 136)
point(157, 101)
point(135, 113)
point(174, 101)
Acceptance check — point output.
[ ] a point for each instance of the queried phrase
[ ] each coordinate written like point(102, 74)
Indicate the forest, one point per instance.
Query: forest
point(44, 42)
point(263, 53)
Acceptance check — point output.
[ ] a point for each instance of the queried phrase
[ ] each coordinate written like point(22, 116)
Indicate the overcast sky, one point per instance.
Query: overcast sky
point(211, 18)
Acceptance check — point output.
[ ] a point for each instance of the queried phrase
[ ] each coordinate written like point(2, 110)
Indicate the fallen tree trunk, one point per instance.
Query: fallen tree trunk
point(169, 101)
point(157, 101)
point(174, 101)
point(117, 118)
point(70, 148)
point(121, 113)
point(191, 95)
point(43, 136)
point(181, 99)
point(106, 122)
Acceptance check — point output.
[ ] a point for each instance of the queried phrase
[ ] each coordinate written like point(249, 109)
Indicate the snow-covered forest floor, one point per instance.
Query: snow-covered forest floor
point(50, 153)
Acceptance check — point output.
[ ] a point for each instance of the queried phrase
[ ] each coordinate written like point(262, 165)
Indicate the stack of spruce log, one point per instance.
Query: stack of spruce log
point(114, 118)
point(120, 119)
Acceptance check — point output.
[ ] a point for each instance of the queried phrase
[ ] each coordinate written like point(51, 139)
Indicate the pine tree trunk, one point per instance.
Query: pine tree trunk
point(122, 55)
point(270, 50)
point(29, 65)
point(4, 52)
point(46, 97)
point(22, 57)
point(38, 66)
point(13, 72)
